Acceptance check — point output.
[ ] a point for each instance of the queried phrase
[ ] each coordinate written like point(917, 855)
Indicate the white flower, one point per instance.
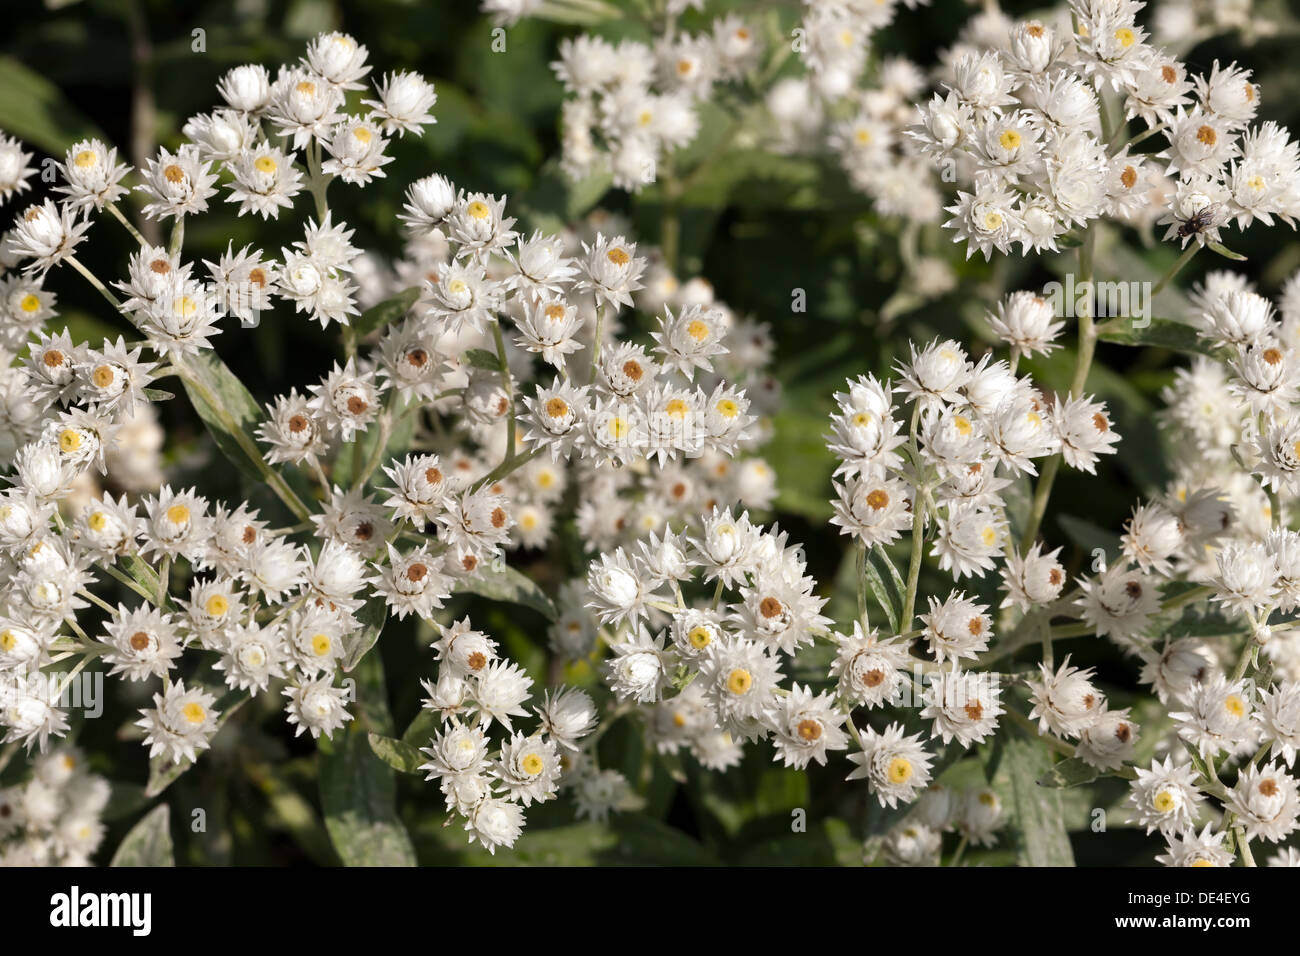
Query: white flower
point(1265, 802)
point(180, 723)
point(317, 706)
point(495, 822)
point(177, 184)
point(1192, 849)
point(1065, 701)
point(895, 767)
point(869, 670)
point(567, 714)
point(964, 706)
point(142, 643)
point(807, 726)
point(1218, 716)
point(45, 234)
point(1108, 740)
point(1166, 797)
point(405, 99)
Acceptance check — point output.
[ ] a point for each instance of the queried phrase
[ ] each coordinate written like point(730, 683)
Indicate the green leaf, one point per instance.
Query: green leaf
point(482, 359)
point(826, 843)
point(876, 584)
point(1089, 536)
point(359, 796)
point(386, 312)
point(373, 616)
point(140, 571)
point(503, 583)
point(149, 843)
point(358, 791)
point(422, 728)
point(1038, 816)
point(1224, 251)
point(628, 839)
point(401, 756)
point(34, 110)
point(227, 409)
point(158, 395)
point(1161, 333)
point(1069, 773)
point(586, 192)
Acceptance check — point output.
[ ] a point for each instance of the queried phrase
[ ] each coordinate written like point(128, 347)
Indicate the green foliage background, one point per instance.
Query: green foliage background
point(758, 227)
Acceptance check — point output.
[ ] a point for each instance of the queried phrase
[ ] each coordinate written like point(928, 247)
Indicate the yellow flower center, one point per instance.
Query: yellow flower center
point(362, 134)
point(29, 303)
point(69, 440)
point(321, 644)
point(618, 427)
point(194, 712)
point(698, 330)
point(618, 255)
point(899, 770)
point(1010, 139)
point(265, 164)
point(532, 764)
point(478, 209)
point(1163, 801)
point(216, 606)
point(699, 638)
point(676, 408)
point(962, 424)
point(7, 640)
point(178, 514)
point(1234, 705)
point(740, 681)
point(1126, 37)
point(98, 521)
point(102, 376)
point(727, 408)
point(85, 159)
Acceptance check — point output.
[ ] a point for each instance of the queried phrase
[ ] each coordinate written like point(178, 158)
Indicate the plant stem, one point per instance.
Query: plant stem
point(508, 385)
point(117, 213)
point(177, 239)
point(1042, 491)
point(961, 848)
point(1185, 258)
point(918, 538)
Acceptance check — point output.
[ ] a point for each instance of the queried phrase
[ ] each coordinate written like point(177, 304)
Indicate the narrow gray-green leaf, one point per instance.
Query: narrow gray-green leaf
point(504, 583)
point(399, 755)
point(1224, 251)
point(34, 110)
point(1160, 333)
point(876, 584)
point(358, 790)
point(1069, 773)
point(372, 616)
point(481, 359)
point(225, 405)
point(386, 312)
point(1038, 815)
point(149, 842)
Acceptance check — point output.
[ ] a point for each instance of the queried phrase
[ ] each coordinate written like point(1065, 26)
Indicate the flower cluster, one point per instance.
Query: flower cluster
point(53, 817)
point(1028, 124)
